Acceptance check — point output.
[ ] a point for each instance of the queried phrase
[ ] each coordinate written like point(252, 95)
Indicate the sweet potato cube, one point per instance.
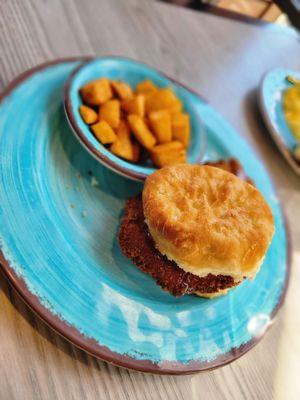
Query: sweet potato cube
point(146, 87)
point(168, 153)
point(163, 99)
point(88, 115)
point(135, 105)
point(104, 132)
point(141, 131)
point(181, 128)
point(110, 112)
point(160, 123)
point(164, 159)
point(123, 146)
point(165, 147)
point(122, 90)
point(96, 92)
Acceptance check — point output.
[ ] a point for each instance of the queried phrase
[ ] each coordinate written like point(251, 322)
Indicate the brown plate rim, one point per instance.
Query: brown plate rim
point(91, 346)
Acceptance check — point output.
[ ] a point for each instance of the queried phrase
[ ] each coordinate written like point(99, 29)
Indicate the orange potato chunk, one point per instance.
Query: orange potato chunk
point(160, 123)
point(135, 106)
point(176, 108)
point(168, 153)
point(111, 113)
point(104, 132)
point(141, 131)
point(123, 146)
point(181, 128)
point(122, 90)
point(96, 92)
point(163, 99)
point(88, 115)
point(146, 87)
point(162, 148)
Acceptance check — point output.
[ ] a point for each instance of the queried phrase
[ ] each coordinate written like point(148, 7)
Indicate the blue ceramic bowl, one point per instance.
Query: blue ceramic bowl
point(131, 72)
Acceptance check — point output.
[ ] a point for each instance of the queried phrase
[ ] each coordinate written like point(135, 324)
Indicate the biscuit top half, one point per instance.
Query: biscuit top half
point(208, 220)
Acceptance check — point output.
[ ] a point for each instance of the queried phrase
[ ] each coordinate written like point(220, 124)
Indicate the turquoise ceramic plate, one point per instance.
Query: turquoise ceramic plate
point(132, 72)
point(59, 215)
point(272, 87)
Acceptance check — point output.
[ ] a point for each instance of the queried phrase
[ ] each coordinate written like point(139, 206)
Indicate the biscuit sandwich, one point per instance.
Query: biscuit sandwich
point(197, 229)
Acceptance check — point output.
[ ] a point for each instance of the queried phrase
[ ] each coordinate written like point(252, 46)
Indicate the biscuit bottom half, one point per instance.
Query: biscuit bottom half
point(137, 244)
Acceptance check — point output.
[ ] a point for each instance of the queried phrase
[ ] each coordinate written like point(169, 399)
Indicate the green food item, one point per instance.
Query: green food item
point(292, 80)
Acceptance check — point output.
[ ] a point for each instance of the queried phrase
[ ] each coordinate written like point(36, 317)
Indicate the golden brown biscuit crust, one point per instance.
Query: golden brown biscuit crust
point(207, 220)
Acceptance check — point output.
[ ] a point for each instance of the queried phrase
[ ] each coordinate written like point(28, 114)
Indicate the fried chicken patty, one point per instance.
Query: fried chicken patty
point(137, 244)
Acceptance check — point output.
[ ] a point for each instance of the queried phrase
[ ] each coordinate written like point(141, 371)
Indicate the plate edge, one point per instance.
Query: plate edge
point(89, 345)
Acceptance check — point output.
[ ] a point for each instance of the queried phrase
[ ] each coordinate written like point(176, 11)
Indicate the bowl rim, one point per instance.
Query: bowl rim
point(80, 135)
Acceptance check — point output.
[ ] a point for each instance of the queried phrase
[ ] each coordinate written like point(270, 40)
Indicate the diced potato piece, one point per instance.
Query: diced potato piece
point(141, 131)
point(163, 99)
point(111, 113)
point(104, 132)
point(88, 114)
point(165, 147)
point(123, 130)
point(160, 122)
point(168, 153)
point(122, 90)
point(176, 108)
point(181, 128)
point(164, 159)
point(123, 146)
point(146, 87)
point(135, 106)
point(96, 92)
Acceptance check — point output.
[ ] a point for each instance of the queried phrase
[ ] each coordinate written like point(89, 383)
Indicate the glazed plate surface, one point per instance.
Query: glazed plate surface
point(59, 216)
